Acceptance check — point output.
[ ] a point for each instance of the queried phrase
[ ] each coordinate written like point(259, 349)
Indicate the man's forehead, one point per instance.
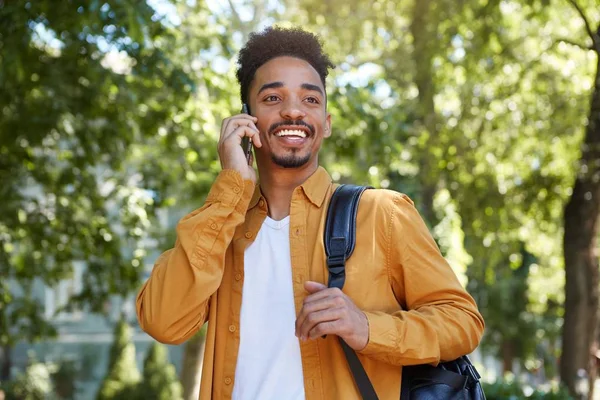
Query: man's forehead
point(290, 71)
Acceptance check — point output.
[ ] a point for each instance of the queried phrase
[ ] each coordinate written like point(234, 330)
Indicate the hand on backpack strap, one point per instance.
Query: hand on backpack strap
point(328, 311)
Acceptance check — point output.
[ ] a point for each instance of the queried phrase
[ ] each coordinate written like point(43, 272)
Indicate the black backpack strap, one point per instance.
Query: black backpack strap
point(340, 231)
point(340, 238)
point(365, 387)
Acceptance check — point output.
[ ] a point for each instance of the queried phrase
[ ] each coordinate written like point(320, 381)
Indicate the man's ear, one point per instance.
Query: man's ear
point(327, 132)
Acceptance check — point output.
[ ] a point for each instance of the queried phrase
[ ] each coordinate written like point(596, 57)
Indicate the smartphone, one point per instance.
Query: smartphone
point(246, 143)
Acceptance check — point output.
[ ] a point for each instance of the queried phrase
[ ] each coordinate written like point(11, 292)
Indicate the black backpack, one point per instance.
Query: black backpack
point(452, 380)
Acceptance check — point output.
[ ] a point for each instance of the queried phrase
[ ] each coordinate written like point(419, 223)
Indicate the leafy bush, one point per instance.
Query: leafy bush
point(160, 380)
point(33, 384)
point(512, 390)
point(123, 374)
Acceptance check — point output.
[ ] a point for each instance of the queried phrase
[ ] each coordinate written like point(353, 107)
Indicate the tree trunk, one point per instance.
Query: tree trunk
point(423, 30)
point(581, 260)
point(508, 356)
point(6, 363)
point(191, 370)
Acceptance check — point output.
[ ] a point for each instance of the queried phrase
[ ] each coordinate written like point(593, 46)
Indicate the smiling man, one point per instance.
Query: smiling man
point(251, 260)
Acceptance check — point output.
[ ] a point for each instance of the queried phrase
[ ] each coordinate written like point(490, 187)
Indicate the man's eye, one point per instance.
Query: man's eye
point(312, 100)
point(271, 98)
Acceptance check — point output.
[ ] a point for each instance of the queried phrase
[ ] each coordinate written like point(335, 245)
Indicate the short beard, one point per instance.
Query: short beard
point(290, 161)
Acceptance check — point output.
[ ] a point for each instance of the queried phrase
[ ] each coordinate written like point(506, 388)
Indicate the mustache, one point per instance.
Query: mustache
point(291, 124)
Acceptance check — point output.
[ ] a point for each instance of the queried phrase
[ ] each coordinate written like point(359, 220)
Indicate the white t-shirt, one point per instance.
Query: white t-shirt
point(269, 365)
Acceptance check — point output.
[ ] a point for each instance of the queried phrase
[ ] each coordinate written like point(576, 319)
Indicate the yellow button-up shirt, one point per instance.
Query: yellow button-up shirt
point(417, 310)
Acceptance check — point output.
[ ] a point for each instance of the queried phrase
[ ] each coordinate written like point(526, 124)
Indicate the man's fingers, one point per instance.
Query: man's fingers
point(239, 133)
point(322, 294)
point(318, 290)
point(321, 305)
point(231, 123)
point(234, 125)
point(313, 287)
point(248, 130)
point(330, 302)
point(227, 120)
point(318, 317)
point(326, 328)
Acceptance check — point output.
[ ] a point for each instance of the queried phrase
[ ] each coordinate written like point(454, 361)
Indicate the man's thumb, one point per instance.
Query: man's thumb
point(313, 287)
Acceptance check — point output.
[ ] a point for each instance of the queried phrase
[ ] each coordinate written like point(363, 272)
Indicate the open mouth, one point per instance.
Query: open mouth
point(291, 133)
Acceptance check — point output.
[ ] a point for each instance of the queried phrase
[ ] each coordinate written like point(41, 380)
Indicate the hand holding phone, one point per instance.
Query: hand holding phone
point(236, 130)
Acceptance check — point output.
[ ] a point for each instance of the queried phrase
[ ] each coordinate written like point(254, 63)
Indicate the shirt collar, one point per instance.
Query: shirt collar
point(255, 197)
point(315, 188)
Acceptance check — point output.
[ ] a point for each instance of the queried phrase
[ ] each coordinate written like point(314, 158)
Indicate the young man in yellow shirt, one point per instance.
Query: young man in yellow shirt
point(251, 260)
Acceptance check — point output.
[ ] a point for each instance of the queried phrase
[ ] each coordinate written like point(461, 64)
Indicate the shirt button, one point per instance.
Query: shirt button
point(261, 203)
point(228, 381)
point(238, 277)
point(248, 235)
point(213, 226)
point(236, 189)
point(232, 328)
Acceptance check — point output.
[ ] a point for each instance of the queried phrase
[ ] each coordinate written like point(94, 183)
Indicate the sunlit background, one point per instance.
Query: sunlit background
point(477, 109)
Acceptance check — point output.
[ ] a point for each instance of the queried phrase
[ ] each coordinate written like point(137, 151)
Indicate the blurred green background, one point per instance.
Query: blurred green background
point(485, 112)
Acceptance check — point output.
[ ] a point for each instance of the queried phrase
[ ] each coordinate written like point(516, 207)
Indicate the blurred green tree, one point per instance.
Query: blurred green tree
point(122, 375)
point(581, 218)
point(191, 365)
point(159, 380)
point(32, 384)
point(80, 82)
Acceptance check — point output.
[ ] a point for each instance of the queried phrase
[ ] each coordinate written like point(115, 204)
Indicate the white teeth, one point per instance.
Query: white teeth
point(288, 132)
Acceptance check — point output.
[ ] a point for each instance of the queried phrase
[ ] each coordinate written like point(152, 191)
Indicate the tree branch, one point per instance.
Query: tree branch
point(235, 14)
point(573, 43)
point(586, 21)
point(259, 12)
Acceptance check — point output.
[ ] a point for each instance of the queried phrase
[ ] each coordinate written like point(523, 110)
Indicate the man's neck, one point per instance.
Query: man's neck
point(278, 184)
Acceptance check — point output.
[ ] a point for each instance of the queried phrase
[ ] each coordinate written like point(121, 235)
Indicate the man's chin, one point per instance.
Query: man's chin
point(290, 161)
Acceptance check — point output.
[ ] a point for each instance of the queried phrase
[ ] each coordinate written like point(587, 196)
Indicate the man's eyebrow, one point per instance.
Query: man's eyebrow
point(310, 86)
point(279, 84)
point(272, 85)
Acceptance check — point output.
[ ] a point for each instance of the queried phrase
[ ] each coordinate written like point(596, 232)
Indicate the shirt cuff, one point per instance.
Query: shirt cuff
point(383, 333)
point(231, 189)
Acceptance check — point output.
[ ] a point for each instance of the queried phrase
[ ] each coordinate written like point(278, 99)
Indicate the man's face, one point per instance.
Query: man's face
point(288, 99)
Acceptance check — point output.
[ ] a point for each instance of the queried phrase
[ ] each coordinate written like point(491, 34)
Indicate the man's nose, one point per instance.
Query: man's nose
point(292, 109)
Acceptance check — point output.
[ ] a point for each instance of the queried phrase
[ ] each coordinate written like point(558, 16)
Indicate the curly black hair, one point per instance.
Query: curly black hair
point(275, 42)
